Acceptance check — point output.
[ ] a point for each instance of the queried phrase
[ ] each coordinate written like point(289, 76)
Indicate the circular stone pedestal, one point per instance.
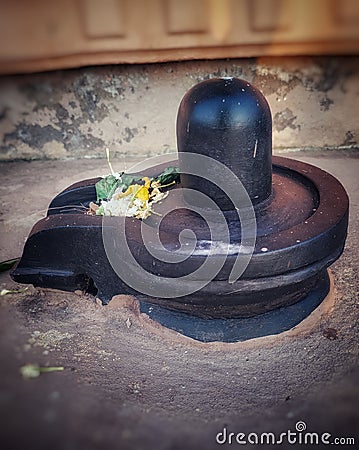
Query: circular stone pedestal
point(240, 329)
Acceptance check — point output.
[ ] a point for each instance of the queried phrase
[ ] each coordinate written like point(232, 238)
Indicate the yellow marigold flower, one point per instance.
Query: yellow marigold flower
point(142, 193)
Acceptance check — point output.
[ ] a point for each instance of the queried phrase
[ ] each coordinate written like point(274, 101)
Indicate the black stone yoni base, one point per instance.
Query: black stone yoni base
point(240, 329)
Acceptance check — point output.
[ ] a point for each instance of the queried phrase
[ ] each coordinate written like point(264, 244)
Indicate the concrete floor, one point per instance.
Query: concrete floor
point(130, 384)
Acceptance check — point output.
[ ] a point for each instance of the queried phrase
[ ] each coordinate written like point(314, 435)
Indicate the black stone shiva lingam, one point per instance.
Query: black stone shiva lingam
point(243, 243)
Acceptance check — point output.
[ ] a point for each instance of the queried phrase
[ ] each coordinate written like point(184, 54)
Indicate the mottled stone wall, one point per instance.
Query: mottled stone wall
point(132, 109)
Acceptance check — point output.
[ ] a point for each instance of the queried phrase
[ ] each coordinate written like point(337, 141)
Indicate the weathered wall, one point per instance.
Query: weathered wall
point(132, 109)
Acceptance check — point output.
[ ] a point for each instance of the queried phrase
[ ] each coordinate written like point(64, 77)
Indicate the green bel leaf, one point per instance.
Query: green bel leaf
point(169, 175)
point(106, 187)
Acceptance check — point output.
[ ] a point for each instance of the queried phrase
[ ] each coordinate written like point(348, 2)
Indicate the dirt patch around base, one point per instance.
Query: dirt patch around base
point(130, 383)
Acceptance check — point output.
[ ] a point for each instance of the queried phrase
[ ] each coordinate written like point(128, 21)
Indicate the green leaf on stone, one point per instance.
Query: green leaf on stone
point(106, 187)
point(169, 175)
point(8, 264)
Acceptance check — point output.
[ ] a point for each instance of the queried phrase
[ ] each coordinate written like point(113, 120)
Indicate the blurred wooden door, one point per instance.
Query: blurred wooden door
point(42, 34)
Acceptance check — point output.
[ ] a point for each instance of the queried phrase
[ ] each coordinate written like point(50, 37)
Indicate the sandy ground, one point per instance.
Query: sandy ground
point(128, 383)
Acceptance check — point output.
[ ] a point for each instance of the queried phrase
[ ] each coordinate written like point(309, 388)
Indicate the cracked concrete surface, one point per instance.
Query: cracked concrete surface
point(130, 384)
